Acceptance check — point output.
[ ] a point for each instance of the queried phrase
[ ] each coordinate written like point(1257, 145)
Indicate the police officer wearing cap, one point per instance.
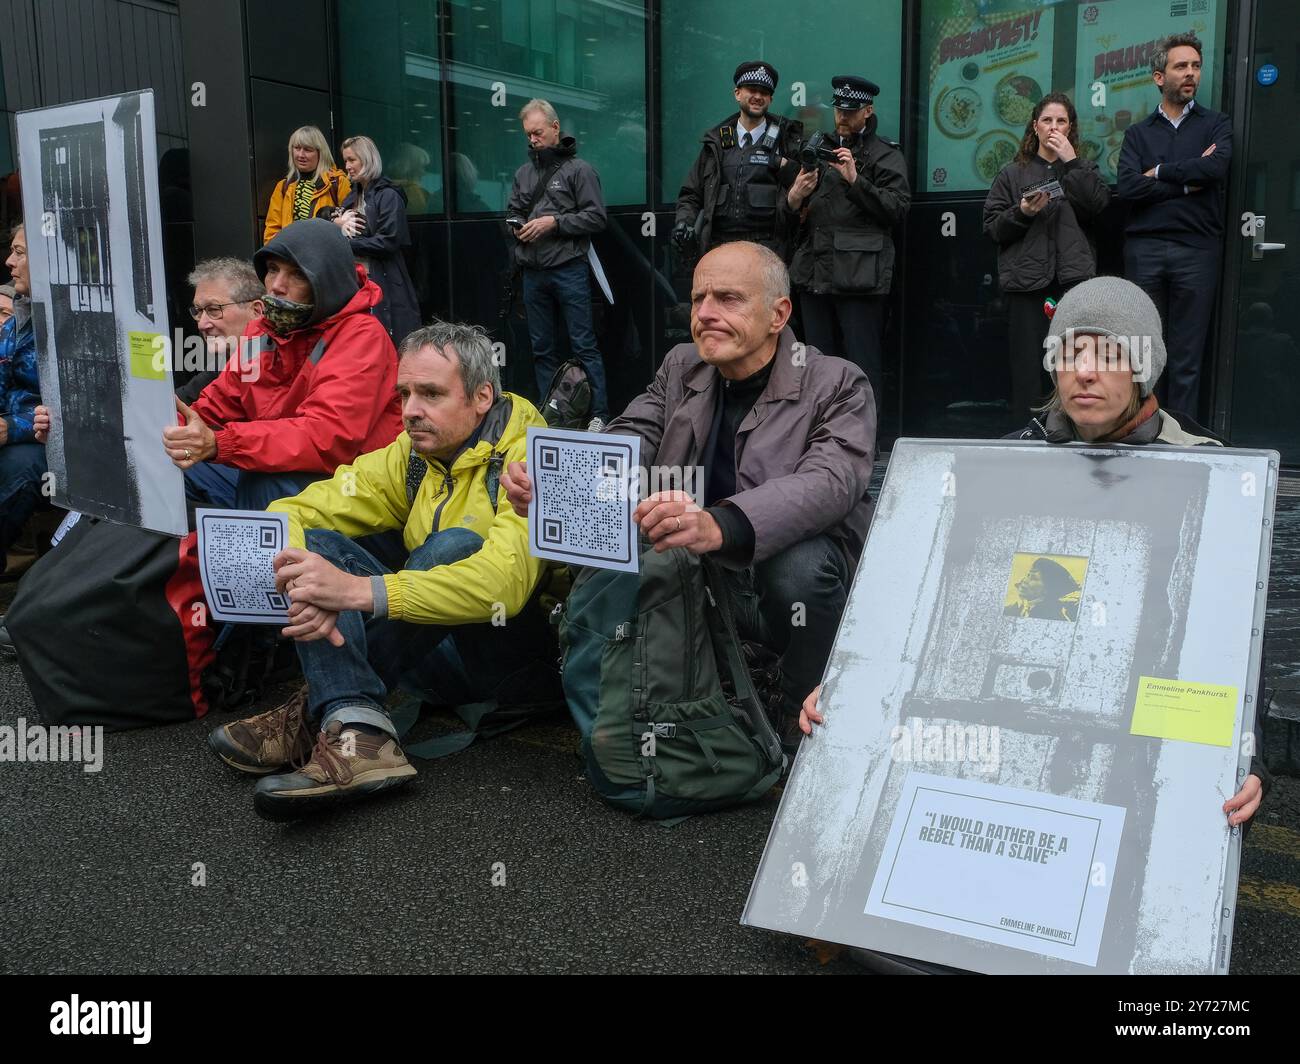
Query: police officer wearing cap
point(847, 205)
point(736, 187)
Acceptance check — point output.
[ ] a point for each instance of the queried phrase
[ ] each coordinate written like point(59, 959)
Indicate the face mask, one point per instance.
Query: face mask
point(285, 315)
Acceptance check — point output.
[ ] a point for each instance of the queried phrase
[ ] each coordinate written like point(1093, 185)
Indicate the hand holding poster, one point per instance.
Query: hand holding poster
point(237, 550)
point(584, 492)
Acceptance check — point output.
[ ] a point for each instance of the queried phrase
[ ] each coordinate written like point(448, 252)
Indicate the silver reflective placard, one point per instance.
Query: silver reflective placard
point(1041, 693)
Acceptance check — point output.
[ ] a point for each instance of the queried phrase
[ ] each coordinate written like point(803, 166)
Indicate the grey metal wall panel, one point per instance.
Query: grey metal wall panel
point(18, 54)
point(82, 49)
point(221, 166)
point(306, 61)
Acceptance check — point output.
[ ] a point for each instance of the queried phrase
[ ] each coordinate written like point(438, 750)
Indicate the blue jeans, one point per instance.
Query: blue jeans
point(225, 488)
point(21, 467)
point(445, 665)
point(564, 289)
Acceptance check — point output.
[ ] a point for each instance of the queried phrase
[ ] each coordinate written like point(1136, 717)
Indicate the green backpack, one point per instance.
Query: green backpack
point(641, 657)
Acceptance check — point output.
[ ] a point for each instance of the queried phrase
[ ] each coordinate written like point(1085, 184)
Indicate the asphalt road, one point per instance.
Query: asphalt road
point(158, 863)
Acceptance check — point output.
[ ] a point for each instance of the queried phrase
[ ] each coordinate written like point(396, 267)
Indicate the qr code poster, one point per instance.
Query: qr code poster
point(584, 492)
point(237, 549)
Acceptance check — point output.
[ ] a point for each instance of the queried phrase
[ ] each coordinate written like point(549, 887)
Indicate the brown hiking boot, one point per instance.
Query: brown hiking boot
point(345, 764)
point(268, 742)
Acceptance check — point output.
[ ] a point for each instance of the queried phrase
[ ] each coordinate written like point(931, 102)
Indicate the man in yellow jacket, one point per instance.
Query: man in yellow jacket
point(409, 565)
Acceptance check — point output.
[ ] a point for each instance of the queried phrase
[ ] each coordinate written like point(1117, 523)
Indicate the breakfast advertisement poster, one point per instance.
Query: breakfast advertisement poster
point(986, 75)
point(1115, 42)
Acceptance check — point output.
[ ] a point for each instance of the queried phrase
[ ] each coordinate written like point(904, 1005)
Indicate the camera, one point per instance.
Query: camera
point(817, 149)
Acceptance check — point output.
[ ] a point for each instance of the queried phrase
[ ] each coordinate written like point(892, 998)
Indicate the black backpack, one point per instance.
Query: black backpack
point(567, 404)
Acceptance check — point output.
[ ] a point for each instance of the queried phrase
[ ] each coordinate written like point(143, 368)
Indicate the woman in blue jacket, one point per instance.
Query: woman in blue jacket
point(22, 459)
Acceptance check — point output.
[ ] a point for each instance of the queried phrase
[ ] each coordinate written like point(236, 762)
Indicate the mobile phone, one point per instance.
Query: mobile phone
point(515, 223)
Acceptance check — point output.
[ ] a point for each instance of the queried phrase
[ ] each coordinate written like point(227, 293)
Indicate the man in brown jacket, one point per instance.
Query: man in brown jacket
point(782, 439)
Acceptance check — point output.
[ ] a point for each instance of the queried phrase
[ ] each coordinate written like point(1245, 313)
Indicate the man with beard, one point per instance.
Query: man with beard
point(555, 208)
point(744, 168)
point(843, 266)
point(1173, 170)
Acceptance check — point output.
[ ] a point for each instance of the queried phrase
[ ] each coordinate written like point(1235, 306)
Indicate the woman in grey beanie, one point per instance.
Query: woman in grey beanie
point(1105, 353)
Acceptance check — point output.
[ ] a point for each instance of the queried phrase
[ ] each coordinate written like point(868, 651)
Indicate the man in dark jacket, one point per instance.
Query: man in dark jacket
point(554, 209)
point(844, 263)
point(745, 166)
point(1173, 169)
point(784, 437)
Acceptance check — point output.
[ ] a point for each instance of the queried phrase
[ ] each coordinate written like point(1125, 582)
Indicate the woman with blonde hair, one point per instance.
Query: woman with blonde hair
point(373, 217)
point(313, 184)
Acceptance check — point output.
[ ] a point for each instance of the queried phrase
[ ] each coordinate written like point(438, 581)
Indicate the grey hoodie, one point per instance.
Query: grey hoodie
point(320, 250)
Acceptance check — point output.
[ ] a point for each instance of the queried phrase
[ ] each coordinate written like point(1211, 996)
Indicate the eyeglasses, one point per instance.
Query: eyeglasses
point(215, 310)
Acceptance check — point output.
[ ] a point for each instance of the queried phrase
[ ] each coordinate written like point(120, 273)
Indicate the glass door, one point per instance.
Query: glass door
point(1263, 320)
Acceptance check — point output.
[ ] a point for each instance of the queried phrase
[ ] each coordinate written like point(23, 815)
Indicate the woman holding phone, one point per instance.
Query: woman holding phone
point(1039, 213)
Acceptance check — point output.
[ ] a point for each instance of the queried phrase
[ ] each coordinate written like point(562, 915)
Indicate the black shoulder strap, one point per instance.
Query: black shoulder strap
point(540, 190)
point(715, 589)
point(417, 467)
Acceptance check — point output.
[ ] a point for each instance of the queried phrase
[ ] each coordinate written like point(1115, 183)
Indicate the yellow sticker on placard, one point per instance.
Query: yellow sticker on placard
point(1193, 712)
point(148, 355)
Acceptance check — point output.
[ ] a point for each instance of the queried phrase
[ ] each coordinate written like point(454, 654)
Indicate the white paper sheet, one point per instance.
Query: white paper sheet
point(1019, 868)
point(236, 552)
point(585, 487)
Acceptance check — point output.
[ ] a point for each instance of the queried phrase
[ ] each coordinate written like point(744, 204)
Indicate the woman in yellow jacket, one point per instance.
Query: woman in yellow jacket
point(313, 185)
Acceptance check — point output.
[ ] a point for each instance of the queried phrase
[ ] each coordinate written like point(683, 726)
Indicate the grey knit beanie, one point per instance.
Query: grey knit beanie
point(1112, 306)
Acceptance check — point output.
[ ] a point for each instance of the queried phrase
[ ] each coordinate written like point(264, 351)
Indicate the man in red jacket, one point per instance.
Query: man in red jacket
point(314, 388)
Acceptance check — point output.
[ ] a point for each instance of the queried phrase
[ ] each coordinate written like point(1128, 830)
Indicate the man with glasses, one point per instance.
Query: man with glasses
point(227, 296)
point(312, 387)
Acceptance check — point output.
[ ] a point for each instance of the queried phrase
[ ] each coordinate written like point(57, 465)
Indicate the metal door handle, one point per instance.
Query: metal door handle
point(1257, 250)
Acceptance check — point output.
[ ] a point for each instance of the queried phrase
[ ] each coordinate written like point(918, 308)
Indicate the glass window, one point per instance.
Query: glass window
point(388, 66)
point(587, 57)
point(703, 43)
point(986, 63)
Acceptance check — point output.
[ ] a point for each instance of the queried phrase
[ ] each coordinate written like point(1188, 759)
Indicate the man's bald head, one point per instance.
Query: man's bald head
point(745, 259)
point(740, 302)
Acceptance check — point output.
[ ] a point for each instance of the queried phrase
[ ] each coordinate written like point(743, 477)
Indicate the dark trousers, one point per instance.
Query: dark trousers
point(1027, 331)
point(226, 488)
point(564, 290)
point(852, 327)
point(792, 603)
point(1181, 280)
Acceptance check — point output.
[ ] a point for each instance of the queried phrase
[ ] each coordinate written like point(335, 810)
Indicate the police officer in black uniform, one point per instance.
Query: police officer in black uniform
point(747, 163)
point(843, 262)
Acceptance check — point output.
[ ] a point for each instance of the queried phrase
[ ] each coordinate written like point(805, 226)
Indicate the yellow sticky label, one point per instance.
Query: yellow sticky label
point(148, 355)
point(1192, 712)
